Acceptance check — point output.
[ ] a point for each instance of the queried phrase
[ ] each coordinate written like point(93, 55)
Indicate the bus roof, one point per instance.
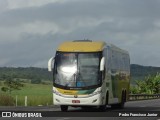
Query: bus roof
point(118, 49)
point(81, 46)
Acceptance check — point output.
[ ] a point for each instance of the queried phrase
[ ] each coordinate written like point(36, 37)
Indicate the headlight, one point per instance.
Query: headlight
point(57, 93)
point(95, 93)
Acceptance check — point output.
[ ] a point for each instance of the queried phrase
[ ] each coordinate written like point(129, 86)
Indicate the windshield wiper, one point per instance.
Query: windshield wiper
point(74, 75)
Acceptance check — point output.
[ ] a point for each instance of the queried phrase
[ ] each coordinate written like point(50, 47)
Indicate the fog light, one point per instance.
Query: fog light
point(94, 100)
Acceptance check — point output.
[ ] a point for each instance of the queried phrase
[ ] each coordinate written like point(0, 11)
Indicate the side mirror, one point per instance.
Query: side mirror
point(50, 64)
point(102, 64)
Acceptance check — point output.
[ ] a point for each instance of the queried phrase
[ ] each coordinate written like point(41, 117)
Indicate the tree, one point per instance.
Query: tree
point(142, 87)
point(150, 85)
point(153, 82)
point(156, 83)
point(134, 90)
point(11, 84)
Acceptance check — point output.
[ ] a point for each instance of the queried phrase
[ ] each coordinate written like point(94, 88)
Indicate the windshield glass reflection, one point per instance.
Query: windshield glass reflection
point(77, 69)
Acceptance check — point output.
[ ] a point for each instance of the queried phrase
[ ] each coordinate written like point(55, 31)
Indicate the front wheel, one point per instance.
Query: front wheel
point(119, 105)
point(123, 100)
point(64, 108)
point(103, 107)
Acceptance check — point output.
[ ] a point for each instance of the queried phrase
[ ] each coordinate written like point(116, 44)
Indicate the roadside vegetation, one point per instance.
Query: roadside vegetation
point(150, 85)
point(37, 94)
point(14, 89)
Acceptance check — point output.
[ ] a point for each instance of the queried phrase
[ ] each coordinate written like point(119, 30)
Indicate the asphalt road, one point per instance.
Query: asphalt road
point(145, 106)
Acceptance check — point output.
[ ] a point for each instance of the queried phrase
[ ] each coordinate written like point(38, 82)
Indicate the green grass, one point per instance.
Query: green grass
point(37, 94)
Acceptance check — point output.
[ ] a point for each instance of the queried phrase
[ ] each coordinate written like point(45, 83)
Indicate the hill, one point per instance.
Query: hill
point(139, 72)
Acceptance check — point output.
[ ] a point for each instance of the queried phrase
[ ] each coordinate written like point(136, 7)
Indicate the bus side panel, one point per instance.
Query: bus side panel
point(120, 74)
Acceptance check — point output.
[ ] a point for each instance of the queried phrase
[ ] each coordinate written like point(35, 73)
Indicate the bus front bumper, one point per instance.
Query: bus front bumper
point(94, 100)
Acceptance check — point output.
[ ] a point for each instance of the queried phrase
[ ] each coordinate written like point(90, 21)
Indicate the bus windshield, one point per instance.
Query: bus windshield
point(77, 70)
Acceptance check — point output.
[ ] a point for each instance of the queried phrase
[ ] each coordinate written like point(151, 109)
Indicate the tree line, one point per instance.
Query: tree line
point(30, 73)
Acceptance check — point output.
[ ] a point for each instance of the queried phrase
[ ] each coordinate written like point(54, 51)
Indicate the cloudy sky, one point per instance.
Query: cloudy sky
point(30, 30)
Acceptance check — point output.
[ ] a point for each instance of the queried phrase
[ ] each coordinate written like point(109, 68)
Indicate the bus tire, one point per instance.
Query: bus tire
point(121, 104)
point(125, 96)
point(64, 108)
point(103, 107)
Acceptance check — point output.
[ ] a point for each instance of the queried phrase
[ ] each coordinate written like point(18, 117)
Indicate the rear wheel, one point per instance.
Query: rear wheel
point(64, 108)
point(119, 105)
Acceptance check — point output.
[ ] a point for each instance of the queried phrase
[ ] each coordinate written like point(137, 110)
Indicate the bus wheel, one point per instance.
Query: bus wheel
point(103, 107)
point(125, 96)
point(120, 105)
point(64, 108)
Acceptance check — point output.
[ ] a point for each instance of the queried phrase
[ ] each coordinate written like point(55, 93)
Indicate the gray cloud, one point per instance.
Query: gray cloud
point(96, 9)
point(30, 35)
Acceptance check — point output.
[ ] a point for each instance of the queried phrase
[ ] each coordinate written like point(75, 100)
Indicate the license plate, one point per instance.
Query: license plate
point(75, 101)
